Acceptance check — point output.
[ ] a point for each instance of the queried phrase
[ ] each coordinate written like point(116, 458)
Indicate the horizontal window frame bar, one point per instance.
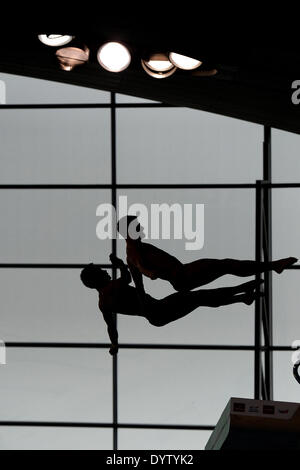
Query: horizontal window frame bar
point(129, 186)
point(150, 186)
point(60, 424)
point(87, 106)
point(281, 185)
point(200, 347)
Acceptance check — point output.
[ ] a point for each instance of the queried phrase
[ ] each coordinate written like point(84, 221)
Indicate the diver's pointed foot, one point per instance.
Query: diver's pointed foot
point(249, 298)
point(282, 264)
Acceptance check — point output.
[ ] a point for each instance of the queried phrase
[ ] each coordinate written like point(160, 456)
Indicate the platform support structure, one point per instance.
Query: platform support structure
point(263, 359)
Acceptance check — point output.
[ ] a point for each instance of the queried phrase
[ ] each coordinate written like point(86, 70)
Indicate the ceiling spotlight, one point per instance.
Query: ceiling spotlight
point(69, 57)
point(55, 40)
point(114, 57)
point(158, 66)
point(184, 62)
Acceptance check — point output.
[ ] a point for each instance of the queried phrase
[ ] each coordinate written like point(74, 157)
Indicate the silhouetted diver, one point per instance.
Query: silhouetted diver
point(143, 258)
point(118, 297)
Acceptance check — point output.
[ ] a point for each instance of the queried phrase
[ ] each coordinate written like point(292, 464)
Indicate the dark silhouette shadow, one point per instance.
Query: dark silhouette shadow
point(116, 296)
point(146, 259)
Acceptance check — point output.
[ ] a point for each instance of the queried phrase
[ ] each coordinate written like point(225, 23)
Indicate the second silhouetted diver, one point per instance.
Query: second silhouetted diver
point(148, 260)
point(117, 296)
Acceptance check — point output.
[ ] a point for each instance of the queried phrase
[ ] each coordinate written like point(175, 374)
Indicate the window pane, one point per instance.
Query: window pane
point(27, 90)
point(120, 98)
point(285, 215)
point(57, 385)
point(186, 146)
point(54, 439)
point(181, 387)
point(56, 146)
point(162, 439)
point(285, 157)
point(286, 301)
point(56, 226)
point(285, 386)
point(229, 233)
point(51, 305)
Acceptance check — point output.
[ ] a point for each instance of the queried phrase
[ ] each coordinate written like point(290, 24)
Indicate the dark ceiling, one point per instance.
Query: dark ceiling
point(253, 82)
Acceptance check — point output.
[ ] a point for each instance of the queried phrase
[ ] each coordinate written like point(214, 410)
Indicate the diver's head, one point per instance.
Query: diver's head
point(130, 228)
point(94, 277)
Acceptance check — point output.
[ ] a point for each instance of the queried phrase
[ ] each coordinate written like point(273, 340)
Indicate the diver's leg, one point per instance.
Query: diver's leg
point(179, 305)
point(204, 271)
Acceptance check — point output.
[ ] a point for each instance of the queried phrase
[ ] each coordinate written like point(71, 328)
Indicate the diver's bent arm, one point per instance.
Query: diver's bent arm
point(112, 333)
point(138, 281)
point(125, 274)
point(119, 264)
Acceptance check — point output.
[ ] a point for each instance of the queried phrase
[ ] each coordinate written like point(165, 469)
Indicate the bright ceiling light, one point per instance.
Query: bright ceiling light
point(114, 57)
point(159, 63)
point(69, 57)
point(158, 66)
point(55, 40)
point(184, 62)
